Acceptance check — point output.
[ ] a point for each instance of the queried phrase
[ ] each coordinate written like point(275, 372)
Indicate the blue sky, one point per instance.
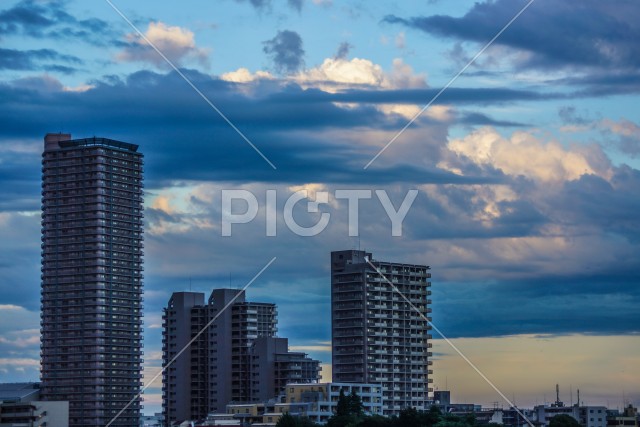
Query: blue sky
point(527, 167)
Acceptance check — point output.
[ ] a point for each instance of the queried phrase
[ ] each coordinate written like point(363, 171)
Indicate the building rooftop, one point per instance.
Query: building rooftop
point(95, 141)
point(18, 391)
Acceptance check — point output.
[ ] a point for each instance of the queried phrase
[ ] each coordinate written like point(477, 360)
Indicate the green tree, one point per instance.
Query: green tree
point(432, 417)
point(409, 417)
point(286, 420)
point(342, 408)
point(355, 405)
point(563, 420)
point(376, 421)
point(449, 420)
point(349, 411)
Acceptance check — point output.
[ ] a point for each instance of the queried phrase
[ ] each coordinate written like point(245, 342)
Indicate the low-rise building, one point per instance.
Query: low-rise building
point(628, 418)
point(20, 405)
point(318, 402)
point(587, 416)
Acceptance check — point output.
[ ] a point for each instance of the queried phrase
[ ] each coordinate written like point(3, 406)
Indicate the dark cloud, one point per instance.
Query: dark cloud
point(475, 118)
point(311, 139)
point(50, 20)
point(11, 59)
point(286, 123)
point(286, 51)
point(546, 305)
point(267, 5)
point(569, 115)
point(555, 34)
point(27, 17)
point(296, 4)
point(343, 50)
point(612, 205)
point(258, 4)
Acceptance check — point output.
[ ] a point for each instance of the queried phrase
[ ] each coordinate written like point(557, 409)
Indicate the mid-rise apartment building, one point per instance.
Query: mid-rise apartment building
point(92, 278)
point(377, 336)
point(237, 358)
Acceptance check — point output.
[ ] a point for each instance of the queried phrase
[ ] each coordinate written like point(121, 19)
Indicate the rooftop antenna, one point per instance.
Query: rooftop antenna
point(189, 284)
point(578, 397)
point(557, 393)
point(571, 393)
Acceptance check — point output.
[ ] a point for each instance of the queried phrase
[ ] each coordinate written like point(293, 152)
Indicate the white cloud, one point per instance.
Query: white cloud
point(622, 127)
point(524, 154)
point(337, 73)
point(16, 363)
point(176, 43)
point(243, 75)
point(22, 339)
point(10, 306)
point(79, 88)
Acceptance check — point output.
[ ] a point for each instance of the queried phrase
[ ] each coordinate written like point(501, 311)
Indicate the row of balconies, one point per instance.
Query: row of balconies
point(51, 215)
point(61, 277)
point(134, 195)
point(128, 208)
point(91, 224)
point(52, 248)
point(99, 178)
point(93, 237)
point(108, 233)
point(91, 167)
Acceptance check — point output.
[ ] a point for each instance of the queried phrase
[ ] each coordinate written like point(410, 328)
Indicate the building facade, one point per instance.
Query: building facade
point(92, 194)
point(223, 364)
point(316, 401)
point(377, 336)
point(20, 405)
point(586, 416)
point(273, 366)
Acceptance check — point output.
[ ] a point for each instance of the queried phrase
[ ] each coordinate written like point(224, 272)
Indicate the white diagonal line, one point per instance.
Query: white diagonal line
point(395, 289)
point(170, 362)
point(453, 79)
point(190, 83)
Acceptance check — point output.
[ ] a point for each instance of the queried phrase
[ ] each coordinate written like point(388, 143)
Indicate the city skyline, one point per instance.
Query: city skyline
point(527, 168)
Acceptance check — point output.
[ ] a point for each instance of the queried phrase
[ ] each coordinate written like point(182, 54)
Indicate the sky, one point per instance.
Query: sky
point(527, 167)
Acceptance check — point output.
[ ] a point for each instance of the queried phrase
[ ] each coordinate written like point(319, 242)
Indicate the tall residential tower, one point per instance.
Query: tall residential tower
point(91, 316)
point(377, 336)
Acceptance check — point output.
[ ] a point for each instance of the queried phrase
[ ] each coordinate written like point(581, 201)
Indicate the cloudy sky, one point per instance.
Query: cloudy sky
point(527, 166)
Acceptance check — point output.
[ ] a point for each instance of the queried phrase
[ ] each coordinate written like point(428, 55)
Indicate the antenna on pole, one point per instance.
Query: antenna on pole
point(557, 393)
point(578, 397)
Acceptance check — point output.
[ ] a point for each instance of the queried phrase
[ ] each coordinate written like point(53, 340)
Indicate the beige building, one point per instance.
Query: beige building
point(318, 402)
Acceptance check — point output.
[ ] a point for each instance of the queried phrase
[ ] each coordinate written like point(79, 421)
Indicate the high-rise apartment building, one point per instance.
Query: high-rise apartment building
point(92, 278)
point(216, 369)
point(377, 337)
